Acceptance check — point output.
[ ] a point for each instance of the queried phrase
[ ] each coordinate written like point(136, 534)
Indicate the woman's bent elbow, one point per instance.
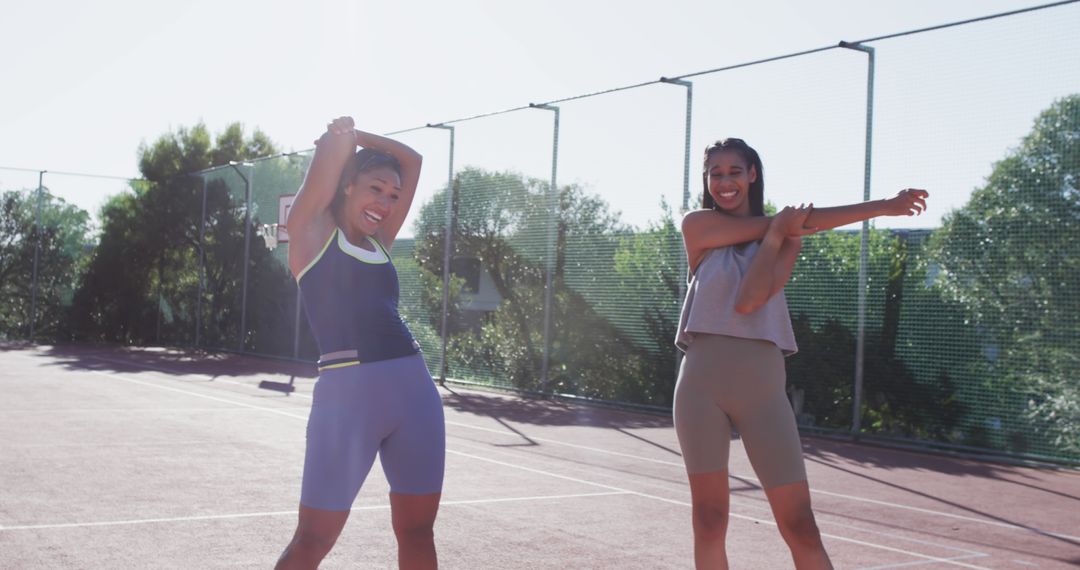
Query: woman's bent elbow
point(745, 308)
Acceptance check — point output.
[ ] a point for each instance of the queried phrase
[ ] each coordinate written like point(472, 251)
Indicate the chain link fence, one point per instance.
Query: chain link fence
point(543, 252)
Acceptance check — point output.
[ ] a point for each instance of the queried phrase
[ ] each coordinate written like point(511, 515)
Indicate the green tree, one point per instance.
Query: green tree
point(651, 266)
point(897, 400)
point(502, 221)
point(1011, 258)
point(142, 282)
point(64, 240)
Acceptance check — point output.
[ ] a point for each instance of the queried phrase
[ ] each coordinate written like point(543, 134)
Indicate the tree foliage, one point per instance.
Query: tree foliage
point(503, 220)
point(64, 240)
point(651, 266)
point(896, 400)
point(1011, 257)
point(142, 282)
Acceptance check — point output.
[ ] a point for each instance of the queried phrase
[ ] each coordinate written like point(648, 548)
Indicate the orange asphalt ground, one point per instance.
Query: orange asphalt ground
point(154, 458)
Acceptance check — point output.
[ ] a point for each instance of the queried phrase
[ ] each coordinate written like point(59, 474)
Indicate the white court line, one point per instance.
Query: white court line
point(565, 444)
point(284, 513)
point(170, 443)
point(491, 430)
point(813, 490)
point(733, 515)
point(920, 562)
point(828, 521)
point(118, 410)
point(197, 394)
point(999, 524)
point(564, 477)
point(171, 371)
point(749, 505)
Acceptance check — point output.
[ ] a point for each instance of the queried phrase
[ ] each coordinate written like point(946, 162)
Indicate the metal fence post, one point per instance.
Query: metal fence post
point(202, 265)
point(247, 250)
point(864, 247)
point(686, 149)
point(37, 250)
point(553, 196)
point(684, 269)
point(296, 323)
point(447, 241)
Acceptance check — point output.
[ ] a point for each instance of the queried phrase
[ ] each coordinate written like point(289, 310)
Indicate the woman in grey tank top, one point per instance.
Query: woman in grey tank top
point(735, 331)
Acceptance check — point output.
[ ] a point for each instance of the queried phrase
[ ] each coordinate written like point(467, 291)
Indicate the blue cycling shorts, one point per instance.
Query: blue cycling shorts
point(388, 407)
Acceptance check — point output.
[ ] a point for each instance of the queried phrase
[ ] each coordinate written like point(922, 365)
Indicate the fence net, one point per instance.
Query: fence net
point(972, 315)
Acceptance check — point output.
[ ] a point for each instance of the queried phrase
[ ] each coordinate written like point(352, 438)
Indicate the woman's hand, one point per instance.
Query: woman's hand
point(909, 202)
point(791, 221)
point(341, 126)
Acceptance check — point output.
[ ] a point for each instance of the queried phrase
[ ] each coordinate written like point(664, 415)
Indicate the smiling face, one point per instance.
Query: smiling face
point(729, 177)
point(370, 198)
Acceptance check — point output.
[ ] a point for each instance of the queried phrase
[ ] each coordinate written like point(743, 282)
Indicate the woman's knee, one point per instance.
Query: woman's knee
point(710, 519)
point(800, 527)
point(414, 531)
point(413, 516)
point(310, 542)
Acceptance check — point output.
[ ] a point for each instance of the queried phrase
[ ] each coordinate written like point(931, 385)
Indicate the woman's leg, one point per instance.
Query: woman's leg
point(414, 459)
point(770, 435)
point(704, 432)
point(342, 439)
point(316, 532)
point(791, 506)
point(709, 494)
point(413, 518)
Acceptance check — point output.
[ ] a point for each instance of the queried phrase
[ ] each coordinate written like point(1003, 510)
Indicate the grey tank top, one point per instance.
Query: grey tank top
point(710, 303)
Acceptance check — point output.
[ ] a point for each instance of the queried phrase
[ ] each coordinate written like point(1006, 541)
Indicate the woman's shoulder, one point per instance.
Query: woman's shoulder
point(703, 216)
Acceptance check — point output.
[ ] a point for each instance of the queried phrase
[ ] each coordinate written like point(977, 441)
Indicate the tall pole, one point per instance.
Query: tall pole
point(296, 324)
point(447, 241)
point(686, 147)
point(553, 196)
point(683, 267)
point(37, 250)
point(299, 296)
point(864, 245)
point(202, 265)
point(247, 253)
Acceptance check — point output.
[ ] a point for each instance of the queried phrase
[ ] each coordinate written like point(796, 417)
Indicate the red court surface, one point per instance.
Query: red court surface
point(153, 458)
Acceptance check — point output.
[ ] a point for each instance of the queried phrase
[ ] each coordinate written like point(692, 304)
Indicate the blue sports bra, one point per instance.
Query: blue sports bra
point(351, 298)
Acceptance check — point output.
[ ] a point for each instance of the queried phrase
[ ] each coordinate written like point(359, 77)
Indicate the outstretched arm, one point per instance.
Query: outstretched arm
point(709, 229)
point(909, 202)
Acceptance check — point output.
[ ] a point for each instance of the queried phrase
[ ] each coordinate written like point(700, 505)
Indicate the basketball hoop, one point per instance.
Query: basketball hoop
point(269, 233)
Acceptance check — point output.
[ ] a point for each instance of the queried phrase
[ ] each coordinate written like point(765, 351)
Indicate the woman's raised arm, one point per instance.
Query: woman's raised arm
point(310, 220)
point(410, 162)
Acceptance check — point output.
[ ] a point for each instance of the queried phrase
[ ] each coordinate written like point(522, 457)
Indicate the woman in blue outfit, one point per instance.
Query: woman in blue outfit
point(374, 394)
point(736, 331)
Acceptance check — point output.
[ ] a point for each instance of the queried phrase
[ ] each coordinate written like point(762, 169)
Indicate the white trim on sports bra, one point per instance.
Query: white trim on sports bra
point(361, 254)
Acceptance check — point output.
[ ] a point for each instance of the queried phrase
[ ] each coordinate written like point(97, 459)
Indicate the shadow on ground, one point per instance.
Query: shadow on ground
point(172, 361)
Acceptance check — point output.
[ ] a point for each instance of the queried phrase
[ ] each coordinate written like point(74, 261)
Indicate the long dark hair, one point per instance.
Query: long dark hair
point(757, 187)
point(364, 160)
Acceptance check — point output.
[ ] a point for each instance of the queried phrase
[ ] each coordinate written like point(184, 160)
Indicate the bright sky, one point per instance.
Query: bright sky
point(84, 83)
